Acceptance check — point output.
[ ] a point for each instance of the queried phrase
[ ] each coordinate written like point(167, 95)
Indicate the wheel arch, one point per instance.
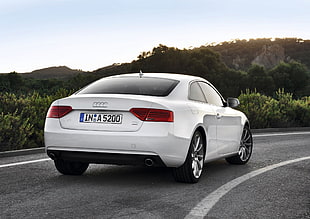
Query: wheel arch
point(247, 124)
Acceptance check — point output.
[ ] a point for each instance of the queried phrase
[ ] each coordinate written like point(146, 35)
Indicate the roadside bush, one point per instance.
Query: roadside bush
point(15, 131)
point(22, 119)
point(281, 111)
point(254, 105)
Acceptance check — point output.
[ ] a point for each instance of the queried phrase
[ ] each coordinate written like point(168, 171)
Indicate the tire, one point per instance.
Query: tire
point(245, 149)
point(190, 171)
point(70, 167)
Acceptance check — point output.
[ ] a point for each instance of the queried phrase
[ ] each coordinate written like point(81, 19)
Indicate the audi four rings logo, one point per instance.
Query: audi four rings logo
point(100, 104)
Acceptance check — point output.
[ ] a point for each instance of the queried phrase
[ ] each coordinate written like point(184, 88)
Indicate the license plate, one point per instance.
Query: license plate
point(101, 118)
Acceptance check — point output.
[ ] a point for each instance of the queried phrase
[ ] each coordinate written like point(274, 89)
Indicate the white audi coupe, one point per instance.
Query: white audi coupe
point(151, 119)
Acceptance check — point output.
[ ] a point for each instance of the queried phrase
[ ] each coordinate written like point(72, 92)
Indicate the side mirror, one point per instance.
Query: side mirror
point(232, 102)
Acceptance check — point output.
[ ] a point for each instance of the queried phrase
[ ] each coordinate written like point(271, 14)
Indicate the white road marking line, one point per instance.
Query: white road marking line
point(203, 207)
point(281, 134)
point(24, 162)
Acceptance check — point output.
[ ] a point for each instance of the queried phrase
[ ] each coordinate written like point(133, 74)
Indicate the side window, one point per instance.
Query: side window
point(195, 93)
point(211, 95)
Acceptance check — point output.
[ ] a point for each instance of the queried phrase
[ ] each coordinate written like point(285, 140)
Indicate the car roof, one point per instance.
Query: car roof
point(175, 76)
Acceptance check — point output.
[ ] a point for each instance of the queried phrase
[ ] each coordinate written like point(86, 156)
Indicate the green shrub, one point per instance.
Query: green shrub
point(15, 131)
point(22, 118)
point(281, 111)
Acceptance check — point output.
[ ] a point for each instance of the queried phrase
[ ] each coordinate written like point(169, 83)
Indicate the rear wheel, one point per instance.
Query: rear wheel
point(245, 149)
point(70, 167)
point(190, 171)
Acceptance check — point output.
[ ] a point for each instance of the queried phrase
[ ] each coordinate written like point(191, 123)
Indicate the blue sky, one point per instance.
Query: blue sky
point(89, 34)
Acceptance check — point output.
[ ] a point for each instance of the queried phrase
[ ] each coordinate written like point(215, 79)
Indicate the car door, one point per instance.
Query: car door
point(228, 123)
point(206, 114)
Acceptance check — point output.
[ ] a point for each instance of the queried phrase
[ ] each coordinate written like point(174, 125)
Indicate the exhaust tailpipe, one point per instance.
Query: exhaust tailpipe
point(148, 162)
point(52, 155)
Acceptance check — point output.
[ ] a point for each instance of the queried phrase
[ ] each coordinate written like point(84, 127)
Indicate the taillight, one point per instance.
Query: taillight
point(58, 111)
point(153, 115)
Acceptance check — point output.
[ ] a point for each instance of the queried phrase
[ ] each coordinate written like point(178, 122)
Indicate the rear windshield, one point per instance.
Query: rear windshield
point(129, 85)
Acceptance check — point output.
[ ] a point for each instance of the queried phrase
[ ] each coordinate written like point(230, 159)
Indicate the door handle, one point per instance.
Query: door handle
point(218, 116)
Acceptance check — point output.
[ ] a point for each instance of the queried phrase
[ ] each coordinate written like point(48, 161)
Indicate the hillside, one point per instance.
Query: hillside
point(60, 72)
point(240, 54)
point(237, 54)
point(280, 63)
point(275, 66)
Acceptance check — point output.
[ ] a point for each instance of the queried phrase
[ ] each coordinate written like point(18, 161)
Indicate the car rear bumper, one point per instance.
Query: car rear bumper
point(107, 158)
point(151, 141)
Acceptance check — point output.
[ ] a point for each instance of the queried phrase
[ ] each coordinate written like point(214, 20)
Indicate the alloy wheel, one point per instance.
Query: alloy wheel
point(197, 155)
point(246, 145)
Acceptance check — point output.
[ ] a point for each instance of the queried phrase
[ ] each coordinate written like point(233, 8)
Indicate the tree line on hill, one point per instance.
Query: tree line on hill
point(291, 75)
point(240, 54)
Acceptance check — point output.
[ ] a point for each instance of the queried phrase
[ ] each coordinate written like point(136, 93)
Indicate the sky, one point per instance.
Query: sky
point(90, 34)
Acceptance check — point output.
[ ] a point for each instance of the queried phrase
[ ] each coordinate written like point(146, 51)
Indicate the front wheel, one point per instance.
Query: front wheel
point(190, 171)
point(245, 149)
point(70, 167)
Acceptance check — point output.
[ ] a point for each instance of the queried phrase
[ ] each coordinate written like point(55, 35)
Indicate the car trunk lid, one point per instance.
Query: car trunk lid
point(103, 112)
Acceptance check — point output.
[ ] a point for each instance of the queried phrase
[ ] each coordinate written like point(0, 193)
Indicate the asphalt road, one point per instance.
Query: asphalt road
point(37, 190)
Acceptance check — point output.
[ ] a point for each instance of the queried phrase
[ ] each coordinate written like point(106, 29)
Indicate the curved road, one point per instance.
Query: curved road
point(256, 190)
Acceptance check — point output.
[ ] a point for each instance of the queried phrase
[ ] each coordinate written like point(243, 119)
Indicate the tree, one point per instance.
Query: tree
point(292, 76)
point(259, 80)
point(15, 80)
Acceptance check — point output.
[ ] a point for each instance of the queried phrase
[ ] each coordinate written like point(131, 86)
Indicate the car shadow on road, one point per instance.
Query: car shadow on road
point(120, 175)
point(135, 175)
